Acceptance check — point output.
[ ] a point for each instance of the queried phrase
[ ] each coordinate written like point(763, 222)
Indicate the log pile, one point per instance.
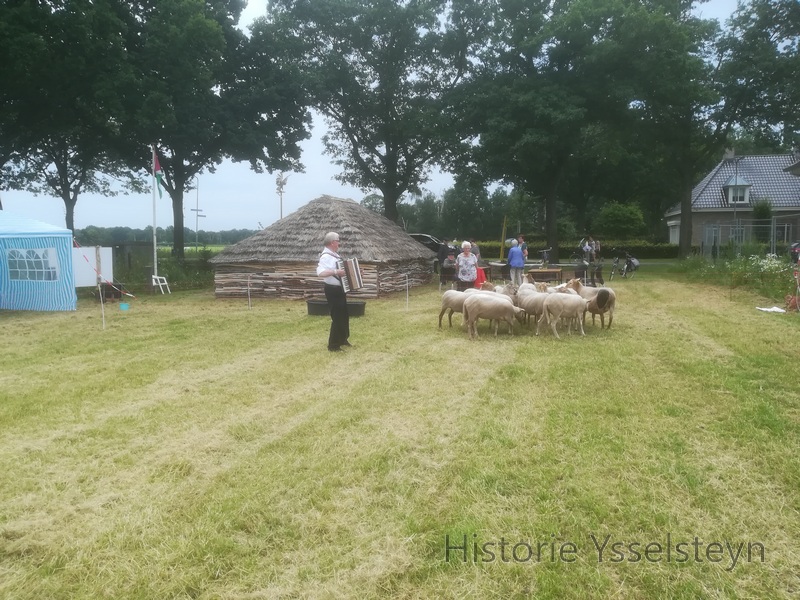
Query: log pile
point(297, 281)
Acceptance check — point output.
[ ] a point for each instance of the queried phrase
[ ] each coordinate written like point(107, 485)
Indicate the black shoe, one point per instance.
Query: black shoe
point(347, 344)
point(335, 349)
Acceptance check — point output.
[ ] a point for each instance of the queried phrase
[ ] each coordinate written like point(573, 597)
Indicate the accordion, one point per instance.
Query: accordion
point(351, 280)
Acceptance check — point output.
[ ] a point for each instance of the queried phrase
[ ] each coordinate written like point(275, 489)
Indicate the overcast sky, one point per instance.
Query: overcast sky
point(234, 197)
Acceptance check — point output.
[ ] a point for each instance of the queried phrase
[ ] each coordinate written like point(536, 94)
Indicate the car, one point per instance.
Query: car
point(428, 241)
point(432, 243)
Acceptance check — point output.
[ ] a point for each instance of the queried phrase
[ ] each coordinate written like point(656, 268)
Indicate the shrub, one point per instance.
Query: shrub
point(619, 220)
point(768, 275)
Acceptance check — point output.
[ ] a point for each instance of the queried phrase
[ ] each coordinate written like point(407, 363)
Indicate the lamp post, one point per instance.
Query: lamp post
point(197, 210)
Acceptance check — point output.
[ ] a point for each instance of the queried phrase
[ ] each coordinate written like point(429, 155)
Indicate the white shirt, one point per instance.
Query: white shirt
point(327, 262)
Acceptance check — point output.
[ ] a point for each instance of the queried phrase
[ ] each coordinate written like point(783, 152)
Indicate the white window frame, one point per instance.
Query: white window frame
point(738, 194)
point(32, 264)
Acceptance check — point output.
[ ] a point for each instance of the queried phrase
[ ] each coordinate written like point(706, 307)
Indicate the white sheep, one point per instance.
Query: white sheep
point(471, 291)
point(563, 306)
point(454, 301)
point(531, 302)
point(491, 306)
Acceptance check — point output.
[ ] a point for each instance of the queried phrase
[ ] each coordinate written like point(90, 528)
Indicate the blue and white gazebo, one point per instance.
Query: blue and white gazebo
point(35, 265)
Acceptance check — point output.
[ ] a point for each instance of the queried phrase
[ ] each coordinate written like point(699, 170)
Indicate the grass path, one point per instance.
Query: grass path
point(198, 449)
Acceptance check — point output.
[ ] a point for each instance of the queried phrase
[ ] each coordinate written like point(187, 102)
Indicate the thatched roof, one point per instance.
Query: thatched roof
point(364, 234)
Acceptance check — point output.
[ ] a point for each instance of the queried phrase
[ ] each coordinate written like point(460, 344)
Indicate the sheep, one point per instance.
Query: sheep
point(471, 291)
point(495, 308)
point(508, 289)
point(603, 302)
point(526, 287)
point(563, 306)
point(454, 301)
point(531, 302)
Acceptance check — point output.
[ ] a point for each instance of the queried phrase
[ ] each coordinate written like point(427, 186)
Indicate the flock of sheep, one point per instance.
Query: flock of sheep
point(567, 303)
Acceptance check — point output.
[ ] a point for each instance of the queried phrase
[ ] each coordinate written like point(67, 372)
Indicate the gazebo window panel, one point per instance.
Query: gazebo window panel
point(38, 264)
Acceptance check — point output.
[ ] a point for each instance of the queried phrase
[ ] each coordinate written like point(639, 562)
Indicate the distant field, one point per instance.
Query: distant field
point(199, 449)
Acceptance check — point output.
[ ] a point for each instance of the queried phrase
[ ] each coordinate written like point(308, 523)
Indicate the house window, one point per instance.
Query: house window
point(40, 264)
point(738, 194)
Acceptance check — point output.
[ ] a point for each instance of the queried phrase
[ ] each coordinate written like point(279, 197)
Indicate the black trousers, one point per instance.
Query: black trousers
point(340, 318)
point(463, 285)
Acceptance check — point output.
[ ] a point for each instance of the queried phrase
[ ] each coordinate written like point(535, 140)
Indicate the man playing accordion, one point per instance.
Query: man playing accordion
point(329, 269)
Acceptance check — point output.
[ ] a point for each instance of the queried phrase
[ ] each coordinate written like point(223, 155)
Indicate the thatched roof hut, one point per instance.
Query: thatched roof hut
point(281, 260)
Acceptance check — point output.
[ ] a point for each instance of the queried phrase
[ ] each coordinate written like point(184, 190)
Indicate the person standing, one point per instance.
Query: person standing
point(475, 249)
point(516, 262)
point(466, 267)
point(523, 246)
point(595, 262)
point(328, 269)
point(444, 250)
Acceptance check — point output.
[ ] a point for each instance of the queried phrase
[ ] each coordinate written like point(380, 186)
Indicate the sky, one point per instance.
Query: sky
point(234, 197)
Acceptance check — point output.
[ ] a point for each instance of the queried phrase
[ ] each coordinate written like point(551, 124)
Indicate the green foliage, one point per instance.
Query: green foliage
point(619, 221)
point(769, 275)
point(380, 71)
point(762, 214)
point(567, 229)
point(374, 202)
point(762, 209)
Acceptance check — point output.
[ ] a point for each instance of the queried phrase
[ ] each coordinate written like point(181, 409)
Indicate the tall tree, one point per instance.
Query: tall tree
point(567, 74)
point(379, 71)
point(205, 91)
point(58, 81)
point(759, 59)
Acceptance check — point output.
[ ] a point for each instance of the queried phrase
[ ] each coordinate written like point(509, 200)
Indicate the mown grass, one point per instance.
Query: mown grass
point(198, 449)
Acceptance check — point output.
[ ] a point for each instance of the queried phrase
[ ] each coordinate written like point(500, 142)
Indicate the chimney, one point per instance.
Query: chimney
point(730, 153)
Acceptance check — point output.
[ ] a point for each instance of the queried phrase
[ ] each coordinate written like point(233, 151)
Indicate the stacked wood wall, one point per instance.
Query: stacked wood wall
point(300, 281)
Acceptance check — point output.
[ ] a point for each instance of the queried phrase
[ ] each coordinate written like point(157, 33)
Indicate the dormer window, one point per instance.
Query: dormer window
point(736, 190)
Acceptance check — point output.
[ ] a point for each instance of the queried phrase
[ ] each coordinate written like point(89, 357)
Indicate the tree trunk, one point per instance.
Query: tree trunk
point(550, 222)
point(69, 204)
point(177, 222)
point(390, 199)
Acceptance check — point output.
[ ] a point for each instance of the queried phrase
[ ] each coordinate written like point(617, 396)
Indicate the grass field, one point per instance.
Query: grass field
point(198, 449)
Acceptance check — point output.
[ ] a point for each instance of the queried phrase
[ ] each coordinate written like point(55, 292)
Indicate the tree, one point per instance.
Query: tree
point(550, 75)
point(59, 81)
point(374, 202)
point(379, 71)
point(570, 83)
point(620, 221)
point(204, 91)
point(759, 58)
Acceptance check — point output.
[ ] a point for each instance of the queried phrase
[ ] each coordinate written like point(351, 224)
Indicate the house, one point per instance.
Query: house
point(281, 260)
point(35, 265)
point(722, 203)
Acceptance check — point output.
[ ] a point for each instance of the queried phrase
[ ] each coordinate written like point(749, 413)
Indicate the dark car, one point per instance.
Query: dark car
point(428, 241)
point(432, 243)
point(794, 252)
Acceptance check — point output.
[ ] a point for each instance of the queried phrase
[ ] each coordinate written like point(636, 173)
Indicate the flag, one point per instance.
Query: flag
point(157, 172)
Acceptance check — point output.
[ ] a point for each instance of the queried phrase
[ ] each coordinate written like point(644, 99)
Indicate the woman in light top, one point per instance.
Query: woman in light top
point(466, 267)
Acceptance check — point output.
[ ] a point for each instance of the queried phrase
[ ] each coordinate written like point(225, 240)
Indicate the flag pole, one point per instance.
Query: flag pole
point(155, 253)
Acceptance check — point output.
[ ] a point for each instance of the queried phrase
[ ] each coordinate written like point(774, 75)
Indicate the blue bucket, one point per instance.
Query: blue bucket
point(124, 306)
